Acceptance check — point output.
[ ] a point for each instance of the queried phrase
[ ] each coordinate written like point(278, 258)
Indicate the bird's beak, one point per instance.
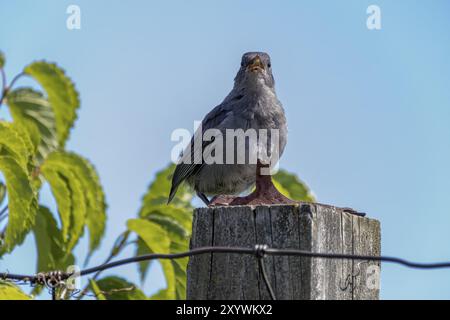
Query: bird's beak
point(255, 64)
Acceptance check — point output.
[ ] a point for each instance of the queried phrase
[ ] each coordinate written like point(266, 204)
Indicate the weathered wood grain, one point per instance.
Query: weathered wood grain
point(310, 227)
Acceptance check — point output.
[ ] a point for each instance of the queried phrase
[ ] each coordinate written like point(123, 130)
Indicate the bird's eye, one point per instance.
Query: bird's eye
point(269, 65)
point(242, 63)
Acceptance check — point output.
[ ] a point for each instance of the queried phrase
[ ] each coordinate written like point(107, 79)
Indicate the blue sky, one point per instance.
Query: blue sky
point(368, 111)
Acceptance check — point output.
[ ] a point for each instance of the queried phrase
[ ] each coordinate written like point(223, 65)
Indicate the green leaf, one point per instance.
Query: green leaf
point(2, 60)
point(70, 198)
point(61, 191)
point(177, 245)
point(157, 241)
point(292, 187)
point(182, 216)
point(179, 267)
point(175, 219)
point(79, 196)
point(31, 109)
point(9, 291)
point(170, 225)
point(61, 93)
point(51, 249)
point(141, 249)
point(16, 165)
point(179, 242)
point(158, 191)
point(22, 202)
point(96, 203)
point(174, 230)
point(16, 143)
point(116, 288)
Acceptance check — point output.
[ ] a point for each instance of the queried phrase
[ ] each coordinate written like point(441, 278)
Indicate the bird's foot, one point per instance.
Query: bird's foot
point(265, 193)
point(265, 197)
point(221, 200)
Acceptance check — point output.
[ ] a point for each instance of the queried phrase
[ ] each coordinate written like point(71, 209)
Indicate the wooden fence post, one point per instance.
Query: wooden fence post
point(311, 227)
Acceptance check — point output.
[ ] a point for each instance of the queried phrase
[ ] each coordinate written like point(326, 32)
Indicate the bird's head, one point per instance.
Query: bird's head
point(255, 70)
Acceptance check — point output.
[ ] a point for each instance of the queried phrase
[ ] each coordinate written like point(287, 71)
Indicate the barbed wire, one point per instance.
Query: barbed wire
point(54, 279)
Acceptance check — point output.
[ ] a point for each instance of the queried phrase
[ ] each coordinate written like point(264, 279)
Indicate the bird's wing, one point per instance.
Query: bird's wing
point(185, 170)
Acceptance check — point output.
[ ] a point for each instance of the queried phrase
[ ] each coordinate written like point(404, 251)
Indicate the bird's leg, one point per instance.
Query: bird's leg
point(265, 192)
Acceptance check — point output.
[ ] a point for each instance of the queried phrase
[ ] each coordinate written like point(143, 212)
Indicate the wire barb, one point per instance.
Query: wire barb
point(260, 250)
point(51, 279)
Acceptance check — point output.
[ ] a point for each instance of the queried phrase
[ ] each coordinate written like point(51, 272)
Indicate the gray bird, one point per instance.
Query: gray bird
point(251, 104)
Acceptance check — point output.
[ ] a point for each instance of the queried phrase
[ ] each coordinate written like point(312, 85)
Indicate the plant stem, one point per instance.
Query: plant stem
point(17, 77)
point(5, 87)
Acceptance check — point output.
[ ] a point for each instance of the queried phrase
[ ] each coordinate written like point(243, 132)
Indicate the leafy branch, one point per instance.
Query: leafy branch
point(32, 153)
